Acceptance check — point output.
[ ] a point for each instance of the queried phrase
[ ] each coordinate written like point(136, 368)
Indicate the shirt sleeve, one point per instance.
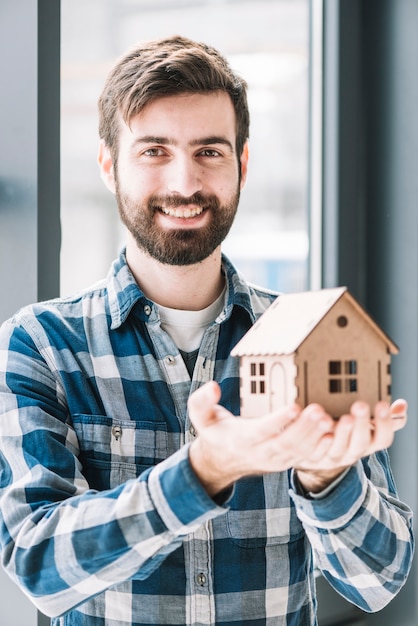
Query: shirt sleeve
point(61, 541)
point(361, 533)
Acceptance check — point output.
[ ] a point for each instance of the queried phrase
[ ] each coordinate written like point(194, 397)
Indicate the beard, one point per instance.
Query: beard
point(183, 246)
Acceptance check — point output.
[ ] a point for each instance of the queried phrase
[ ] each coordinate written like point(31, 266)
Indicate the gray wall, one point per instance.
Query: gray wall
point(29, 158)
point(370, 227)
point(391, 54)
point(29, 186)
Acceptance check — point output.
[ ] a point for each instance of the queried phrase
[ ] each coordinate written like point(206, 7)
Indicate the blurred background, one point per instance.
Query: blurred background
point(267, 42)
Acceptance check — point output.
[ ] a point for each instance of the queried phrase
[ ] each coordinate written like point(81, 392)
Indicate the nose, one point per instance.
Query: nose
point(184, 176)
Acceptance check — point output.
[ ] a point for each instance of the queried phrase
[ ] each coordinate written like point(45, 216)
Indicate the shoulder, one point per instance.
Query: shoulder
point(59, 315)
point(260, 298)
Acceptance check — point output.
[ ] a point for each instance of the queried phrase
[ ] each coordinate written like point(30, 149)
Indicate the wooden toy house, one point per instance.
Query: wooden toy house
point(316, 346)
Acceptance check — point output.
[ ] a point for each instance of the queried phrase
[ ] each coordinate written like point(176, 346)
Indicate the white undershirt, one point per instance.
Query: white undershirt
point(186, 328)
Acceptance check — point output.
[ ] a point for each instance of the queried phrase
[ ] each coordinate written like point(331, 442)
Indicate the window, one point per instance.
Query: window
point(342, 376)
point(257, 380)
point(335, 367)
point(335, 385)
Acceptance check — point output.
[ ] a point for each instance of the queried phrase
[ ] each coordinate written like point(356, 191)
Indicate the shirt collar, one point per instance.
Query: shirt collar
point(238, 291)
point(124, 292)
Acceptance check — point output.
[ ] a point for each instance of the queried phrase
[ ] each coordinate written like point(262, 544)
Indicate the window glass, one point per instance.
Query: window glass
point(266, 41)
point(336, 384)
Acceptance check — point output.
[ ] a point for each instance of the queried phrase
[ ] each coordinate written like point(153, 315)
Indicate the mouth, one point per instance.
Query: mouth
point(182, 213)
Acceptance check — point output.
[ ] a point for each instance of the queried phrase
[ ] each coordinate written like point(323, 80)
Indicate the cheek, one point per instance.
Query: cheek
point(137, 183)
point(227, 184)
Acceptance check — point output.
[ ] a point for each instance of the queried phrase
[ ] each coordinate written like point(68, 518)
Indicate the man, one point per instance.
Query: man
point(120, 506)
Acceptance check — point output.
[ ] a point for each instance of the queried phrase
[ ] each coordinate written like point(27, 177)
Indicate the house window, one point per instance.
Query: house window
point(342, 376)
point(257, 380)
point(350, 385)
point(335, 385)
point(350, 367)
point(335, 367)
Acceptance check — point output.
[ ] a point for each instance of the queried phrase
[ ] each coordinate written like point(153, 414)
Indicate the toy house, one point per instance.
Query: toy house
point(316, 346)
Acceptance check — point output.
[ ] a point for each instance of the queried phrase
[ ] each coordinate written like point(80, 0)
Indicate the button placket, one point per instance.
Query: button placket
point(198, 555)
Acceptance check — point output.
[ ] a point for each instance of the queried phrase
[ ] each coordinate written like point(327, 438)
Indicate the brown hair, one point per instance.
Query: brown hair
point(171, 66)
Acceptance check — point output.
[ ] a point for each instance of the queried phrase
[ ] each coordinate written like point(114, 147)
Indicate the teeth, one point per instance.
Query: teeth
point(184, 213)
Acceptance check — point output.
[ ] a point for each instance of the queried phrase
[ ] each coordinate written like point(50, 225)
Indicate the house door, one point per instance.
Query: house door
point(278, 395)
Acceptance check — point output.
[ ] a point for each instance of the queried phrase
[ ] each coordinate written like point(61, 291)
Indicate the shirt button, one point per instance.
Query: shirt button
point(117, 432)
point(147, 309)
point(192, 430)
point(169, 359)
point(201, 579)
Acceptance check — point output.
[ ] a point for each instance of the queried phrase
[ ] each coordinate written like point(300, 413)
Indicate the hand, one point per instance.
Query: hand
point(355, 436)
point(228, 447)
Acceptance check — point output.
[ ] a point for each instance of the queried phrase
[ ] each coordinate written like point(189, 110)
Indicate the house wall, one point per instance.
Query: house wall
point(356, 341)
point(279, 384)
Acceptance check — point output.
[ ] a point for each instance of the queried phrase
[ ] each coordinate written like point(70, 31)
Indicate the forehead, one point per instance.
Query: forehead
point(185, 116)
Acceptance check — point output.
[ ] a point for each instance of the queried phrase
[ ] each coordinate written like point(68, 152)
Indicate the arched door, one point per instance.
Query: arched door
point(278, 391)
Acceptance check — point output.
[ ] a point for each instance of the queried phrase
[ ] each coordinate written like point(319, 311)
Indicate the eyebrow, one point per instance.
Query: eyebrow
point(201, 141)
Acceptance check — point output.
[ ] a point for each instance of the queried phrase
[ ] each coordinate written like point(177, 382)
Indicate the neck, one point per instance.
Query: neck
point(189, 287)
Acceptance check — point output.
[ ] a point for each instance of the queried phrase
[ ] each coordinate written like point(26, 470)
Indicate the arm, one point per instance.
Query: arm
point(361, 533)
point(61, 541)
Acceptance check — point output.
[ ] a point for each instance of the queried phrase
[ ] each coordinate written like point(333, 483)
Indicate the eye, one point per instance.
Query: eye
point(154, 152)
point(209, 152)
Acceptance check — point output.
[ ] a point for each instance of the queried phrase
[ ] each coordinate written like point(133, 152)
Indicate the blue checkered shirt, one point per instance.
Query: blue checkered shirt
point(103, 522)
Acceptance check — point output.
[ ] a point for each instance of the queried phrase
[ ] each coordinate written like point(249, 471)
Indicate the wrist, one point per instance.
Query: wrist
point(213, 479)
point(317, 481)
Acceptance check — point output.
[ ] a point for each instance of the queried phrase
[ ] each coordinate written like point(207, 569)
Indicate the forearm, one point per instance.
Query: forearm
point(94, 540)
point(359, 530)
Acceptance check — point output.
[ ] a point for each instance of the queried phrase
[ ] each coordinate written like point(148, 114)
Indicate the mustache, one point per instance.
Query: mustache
point(172, 202)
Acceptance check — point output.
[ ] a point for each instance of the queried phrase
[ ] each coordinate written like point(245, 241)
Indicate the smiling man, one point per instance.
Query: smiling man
point(177, 179)
point(131, 493)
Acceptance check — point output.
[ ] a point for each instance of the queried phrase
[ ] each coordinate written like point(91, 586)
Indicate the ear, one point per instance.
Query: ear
point(107, 170)
point(244, 164)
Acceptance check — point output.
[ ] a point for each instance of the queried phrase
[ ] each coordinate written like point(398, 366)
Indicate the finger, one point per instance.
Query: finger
point(353, 436)
point(384, 426)
point(305, 432)
point(362, 430)
point(276, 423)
point(399, 413)
point(319, 454)
point(316, 418)
point(341, 442)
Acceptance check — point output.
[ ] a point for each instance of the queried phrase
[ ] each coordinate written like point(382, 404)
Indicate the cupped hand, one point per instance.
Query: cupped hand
point(318, 447)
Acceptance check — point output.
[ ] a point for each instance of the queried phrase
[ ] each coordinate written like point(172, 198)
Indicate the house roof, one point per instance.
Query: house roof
point(297, 314)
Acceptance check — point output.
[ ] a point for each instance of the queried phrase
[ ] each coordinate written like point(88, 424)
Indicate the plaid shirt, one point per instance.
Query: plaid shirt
point(103, 521)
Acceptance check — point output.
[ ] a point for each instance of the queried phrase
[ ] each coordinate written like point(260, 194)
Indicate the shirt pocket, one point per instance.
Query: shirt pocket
point(262, 513)
point(113, 451)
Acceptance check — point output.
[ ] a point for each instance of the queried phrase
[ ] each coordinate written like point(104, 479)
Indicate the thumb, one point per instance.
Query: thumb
point(203, 404)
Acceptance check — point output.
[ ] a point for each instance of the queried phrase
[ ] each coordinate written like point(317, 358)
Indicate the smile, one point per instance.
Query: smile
point(183, 213)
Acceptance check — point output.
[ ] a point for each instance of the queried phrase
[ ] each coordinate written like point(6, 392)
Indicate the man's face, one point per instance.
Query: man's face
point(177, 179)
